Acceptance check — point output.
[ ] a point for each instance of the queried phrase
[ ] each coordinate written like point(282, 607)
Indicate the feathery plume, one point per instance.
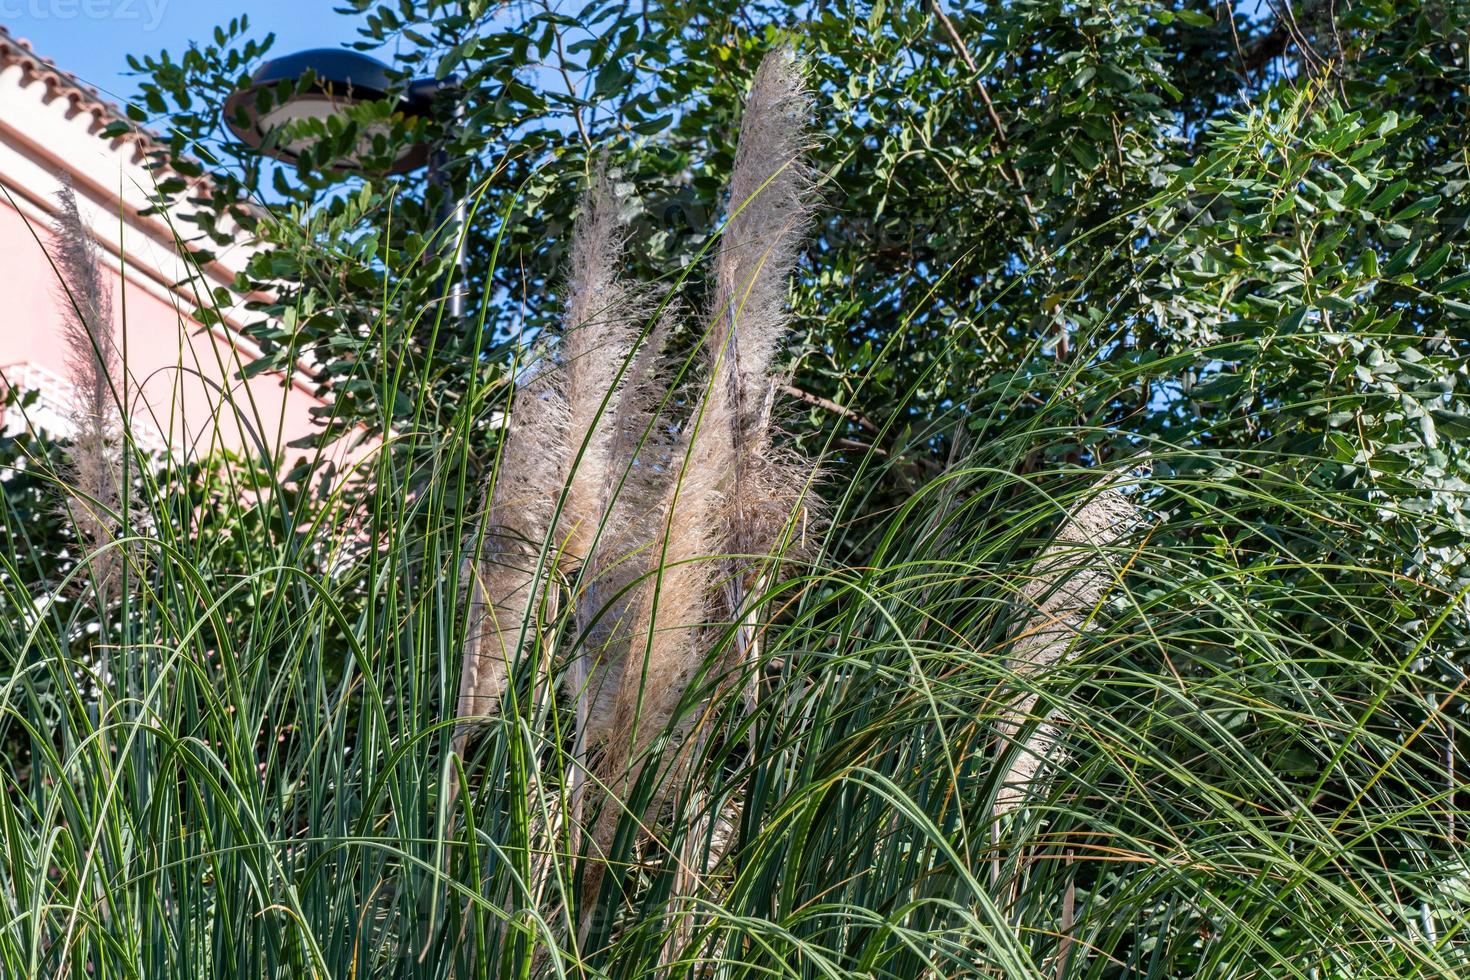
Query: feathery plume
point(770, 205)
point(733, 491)
point(644, 505)
point(94, 461)
point(605, 382)
point(641, 453)
point(600, 332)
point(1075, 573)
point(664, 650)
point(503, 583)
point(571, 439)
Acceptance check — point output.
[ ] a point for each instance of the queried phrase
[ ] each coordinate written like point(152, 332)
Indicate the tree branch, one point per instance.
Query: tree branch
point(1010, 170)
point(1274, 43)
point(829, 405)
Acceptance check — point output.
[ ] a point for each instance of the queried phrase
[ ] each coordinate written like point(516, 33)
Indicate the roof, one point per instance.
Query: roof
point(148, 149)
point(83, 97)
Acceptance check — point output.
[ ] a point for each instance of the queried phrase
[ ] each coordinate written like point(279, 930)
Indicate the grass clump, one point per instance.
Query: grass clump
point(601, 717)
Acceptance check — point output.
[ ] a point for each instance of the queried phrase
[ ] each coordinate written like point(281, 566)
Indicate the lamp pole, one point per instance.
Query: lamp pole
point(453, 213)
point(340, 79)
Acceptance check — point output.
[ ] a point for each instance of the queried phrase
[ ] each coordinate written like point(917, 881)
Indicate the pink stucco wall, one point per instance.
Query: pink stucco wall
point(188, 378)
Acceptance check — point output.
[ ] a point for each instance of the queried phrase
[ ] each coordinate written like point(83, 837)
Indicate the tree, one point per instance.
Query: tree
point(1000, 180)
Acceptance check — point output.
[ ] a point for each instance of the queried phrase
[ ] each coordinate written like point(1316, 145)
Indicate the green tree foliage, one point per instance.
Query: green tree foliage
point(928, 198)
point(1239, 214)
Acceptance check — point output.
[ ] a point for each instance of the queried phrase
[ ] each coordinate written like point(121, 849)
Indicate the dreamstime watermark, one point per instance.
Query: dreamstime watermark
point(148, 13)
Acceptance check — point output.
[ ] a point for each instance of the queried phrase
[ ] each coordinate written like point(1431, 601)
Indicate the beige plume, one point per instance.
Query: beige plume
point(1074, 575)
point(94, 462)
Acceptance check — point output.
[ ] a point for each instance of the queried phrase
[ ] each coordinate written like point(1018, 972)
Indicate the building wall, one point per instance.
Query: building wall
point(184, 386)
point(182, 382)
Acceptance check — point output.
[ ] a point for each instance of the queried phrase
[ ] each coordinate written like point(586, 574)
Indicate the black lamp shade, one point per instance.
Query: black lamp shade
point(342, 78)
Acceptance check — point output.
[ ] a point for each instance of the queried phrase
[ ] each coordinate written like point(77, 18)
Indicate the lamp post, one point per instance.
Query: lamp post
point(341, 79)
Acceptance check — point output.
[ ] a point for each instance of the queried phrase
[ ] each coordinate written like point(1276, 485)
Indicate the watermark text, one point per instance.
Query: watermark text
point(147, 13)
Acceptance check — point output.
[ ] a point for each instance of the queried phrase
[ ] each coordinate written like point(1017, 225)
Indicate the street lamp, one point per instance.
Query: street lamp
point(341, 79)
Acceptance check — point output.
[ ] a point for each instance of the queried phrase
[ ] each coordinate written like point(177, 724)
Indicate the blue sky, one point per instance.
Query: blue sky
point(92, 38)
